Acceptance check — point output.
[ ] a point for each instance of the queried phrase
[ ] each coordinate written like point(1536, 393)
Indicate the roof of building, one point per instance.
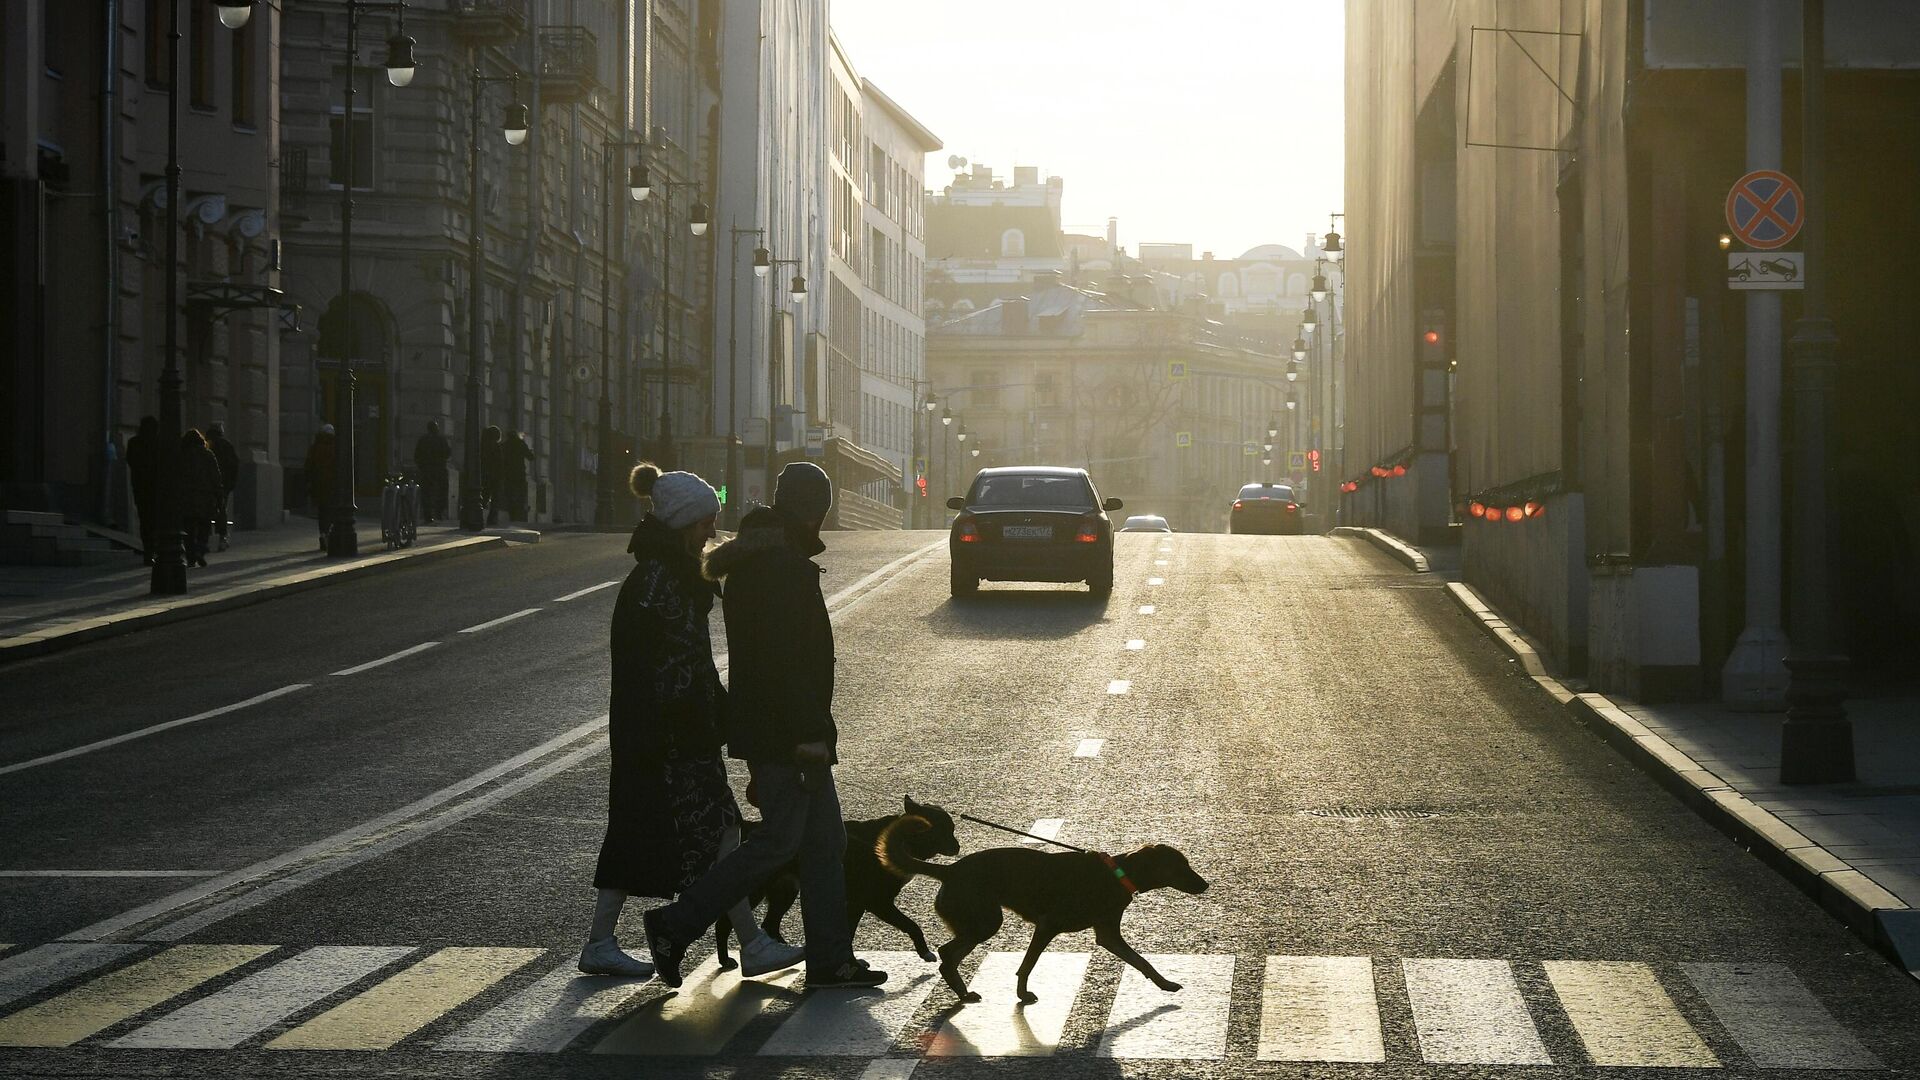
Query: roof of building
point(1052, 310)
point(927, 139)
point(974, 232)
point(1269, 251)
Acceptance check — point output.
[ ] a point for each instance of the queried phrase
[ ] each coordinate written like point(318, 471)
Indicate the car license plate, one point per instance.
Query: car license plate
point(1027, 532)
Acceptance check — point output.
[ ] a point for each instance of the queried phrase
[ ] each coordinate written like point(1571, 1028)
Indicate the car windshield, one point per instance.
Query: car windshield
point(1027, 489)
point(1267, 491)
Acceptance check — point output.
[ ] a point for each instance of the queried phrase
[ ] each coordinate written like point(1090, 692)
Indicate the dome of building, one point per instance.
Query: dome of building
point(1270, 251)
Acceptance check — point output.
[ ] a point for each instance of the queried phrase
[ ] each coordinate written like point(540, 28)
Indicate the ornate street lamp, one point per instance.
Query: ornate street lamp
point(473, 517)
point(1299, 349)
point(1307, 318)
point(697, 220)
point(639, 186)
point(1319, 289)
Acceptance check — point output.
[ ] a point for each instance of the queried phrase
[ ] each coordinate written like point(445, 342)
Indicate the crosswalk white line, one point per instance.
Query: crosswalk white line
point(224, 1020)
point(1190, 1023)
point(38, 968)
point(1773, 1017)
point(388, 659)
point(578, 593)
point(857, 1023)
point(890, 1069)
point(998, 1025)
point(548, 1015)
point(122, 994)
point(1470, 1012)
point(1320, 1008)
point(410, 999)
point(1047, 827)
point(1624, 1017)
point(709, 1009)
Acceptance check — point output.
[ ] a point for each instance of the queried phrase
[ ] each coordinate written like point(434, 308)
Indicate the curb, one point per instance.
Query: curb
point(1879, 917)
point(1402, 552)
point(79, 631)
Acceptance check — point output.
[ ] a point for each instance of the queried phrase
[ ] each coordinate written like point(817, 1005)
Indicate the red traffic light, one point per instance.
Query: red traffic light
point(921, 483)
point(1431, 337)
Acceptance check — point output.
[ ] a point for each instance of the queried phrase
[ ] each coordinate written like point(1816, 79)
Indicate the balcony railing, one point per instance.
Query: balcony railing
point(488, 22)
point(569, 63)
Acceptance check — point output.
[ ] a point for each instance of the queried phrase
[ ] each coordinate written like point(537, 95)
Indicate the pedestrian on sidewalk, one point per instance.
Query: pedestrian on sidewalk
point(492, 462)
point(780, 721)
point(143, 470)
point(430, 456)
point(670, 810)
point(199, 493)
point(515, 457)
point(229, 460)
point(319, 469)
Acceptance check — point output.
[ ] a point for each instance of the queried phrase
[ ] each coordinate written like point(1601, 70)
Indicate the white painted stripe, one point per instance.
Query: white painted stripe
point(709, 1009)
point(1165, 550)
point(491, 623)
point(1048, 827)
point(388, 659)
point(1190, 1023)
point(1320, 1008)
point(108, 873)
point(1160, 562)
point(1156, 581)
point(1119, 686)
point(30, 972)
point(230, 1017)
point(406, 1001)
point(1136, 645)
point(1146, 609)
point(890, 1069)
point(887, 571)
point(1470, 1012)
point(122, 994)
point(1624, 1017)
point(998, 1025)
point(548, 1015)
point(154, 730)
point(578, 593)
point(1089, 748)
point(857, 1023)
point(1774, 1018)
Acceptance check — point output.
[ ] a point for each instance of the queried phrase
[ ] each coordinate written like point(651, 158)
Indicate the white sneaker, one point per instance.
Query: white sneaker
point(604, 957)
point(764, 955)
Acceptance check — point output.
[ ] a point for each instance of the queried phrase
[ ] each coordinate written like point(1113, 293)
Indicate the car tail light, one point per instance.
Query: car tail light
point(1291, 507)
point(1236, 504)
point(1089, 531)
point(966, 531)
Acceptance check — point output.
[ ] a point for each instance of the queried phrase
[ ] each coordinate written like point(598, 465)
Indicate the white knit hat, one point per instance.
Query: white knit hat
point(681, 498)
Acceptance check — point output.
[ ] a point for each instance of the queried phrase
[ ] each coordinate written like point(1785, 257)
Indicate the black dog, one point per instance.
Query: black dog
point(870, 888)
point(1059, 892)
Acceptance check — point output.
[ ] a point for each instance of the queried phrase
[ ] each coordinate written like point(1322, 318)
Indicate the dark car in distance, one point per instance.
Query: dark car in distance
point(1031, 523)
point(1265, 508)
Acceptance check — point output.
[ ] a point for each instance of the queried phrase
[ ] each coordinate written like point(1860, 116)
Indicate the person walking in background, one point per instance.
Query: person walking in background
point(516, 457)
point(199, 493)
point(491, 462)
point(670, 811)
point(780, 720)
point(229, 459)
point(430, 456)
point(319, 469)
point(143, 471)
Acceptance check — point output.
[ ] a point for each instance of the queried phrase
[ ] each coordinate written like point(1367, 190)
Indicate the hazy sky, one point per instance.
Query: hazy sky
point(1215, 122)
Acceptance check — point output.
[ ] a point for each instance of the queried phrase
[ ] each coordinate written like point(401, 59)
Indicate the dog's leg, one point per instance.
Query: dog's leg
point(781, 893)
point(889, 912)
point(1043, 935)
point(720, 931)
point(1108, 935)
point(972, 925)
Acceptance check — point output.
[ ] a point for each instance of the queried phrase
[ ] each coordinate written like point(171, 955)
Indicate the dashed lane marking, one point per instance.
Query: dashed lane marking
point(1769, 1012)
point(1136, 645)
point(578, 593)
point(855, 1023)
point(30, 972)
point(99, 1004)
point(388, 659)
point(1146, 609)
point(998, 1025)
point(1089, 748)
point(408, 1001)
point(1046, 827)
point(491, 623)
point(1320, 1008)
point(1159, 562)
point(1120, 686)
point(1190, 1023)
point(154, 730)
point(1156, 581)
point(1624, 1017)
point(548, 1015)
point(709, 1009)
point(224, 1020)
point(1471, 1012)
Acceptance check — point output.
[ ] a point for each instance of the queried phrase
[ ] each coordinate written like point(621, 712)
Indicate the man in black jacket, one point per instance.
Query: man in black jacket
point(780, 721)
point(229, 459)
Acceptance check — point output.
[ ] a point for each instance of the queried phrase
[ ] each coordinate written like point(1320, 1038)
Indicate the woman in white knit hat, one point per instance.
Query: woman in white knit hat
point(671, 812)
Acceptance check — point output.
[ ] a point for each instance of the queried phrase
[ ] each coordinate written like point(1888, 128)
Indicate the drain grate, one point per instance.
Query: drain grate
point(1370, 813)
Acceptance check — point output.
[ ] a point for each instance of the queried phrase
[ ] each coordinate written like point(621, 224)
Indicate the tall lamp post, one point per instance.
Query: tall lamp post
point(922, 455)
point(798, 291)
point(762, 266)
point(515, 124)
point(697, 222)
point(638, 187)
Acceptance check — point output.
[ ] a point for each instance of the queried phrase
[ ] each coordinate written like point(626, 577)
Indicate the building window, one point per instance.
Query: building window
point(362, 130)
point(243, 75)
point(987, 392)
point(201, 30)
point(158, 12)
point(1013, 244)
point(1046, 394)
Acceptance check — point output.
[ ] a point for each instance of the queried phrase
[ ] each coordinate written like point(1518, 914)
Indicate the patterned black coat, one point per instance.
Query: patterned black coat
point(667, 794)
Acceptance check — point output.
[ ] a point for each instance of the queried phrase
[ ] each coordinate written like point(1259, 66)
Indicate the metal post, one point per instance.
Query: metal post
point(1816, 742)
point(169, 564)
point(1755, 677)
point(343, 538)
point(472, 516)
point(732, 509)
point(604, 492)
point(664, 451)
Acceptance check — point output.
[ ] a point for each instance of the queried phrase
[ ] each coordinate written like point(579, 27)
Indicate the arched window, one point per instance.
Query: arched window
point(1013, 244)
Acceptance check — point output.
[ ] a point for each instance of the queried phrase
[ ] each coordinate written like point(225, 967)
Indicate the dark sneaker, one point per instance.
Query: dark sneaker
point(667, 953)
point(854, 974)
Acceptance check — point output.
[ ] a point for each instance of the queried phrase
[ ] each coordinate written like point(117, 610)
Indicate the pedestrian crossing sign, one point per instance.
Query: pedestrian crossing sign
point(1183, 439)
point(1176, 369)
point(1297, 460)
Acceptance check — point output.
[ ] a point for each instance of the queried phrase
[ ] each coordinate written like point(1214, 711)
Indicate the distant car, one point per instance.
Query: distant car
point(1146, 523)
point(1265, 508)
point(1031, 523)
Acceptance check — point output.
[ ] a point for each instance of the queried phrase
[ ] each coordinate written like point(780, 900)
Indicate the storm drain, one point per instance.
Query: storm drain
point(1370, 813)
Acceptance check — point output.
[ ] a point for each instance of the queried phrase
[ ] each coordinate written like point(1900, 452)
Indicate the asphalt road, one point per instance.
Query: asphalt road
point(1419, 865)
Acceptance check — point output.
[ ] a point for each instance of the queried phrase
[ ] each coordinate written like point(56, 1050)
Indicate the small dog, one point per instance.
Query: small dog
point(1058, 892)
point(870, 888)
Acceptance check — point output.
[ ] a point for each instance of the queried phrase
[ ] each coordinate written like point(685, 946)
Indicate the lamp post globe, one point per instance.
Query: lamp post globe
point(516, 124)
point(639, 183)
point(400, 64)
point(235, 13)
point(762, 262)
point(799, 290)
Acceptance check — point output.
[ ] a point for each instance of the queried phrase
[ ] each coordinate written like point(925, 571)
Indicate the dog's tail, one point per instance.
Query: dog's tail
point(895, 857)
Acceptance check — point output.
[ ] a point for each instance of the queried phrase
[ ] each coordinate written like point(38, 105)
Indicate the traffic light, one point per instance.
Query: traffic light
point(1433, 338)
point(722, 492)
point(1313, 460)
point(921, 483)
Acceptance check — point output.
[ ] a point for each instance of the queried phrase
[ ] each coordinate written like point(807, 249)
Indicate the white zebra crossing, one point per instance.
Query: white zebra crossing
point(1311, 1008)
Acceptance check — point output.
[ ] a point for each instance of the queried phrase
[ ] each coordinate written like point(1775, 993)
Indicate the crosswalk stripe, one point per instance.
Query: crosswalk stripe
point(98, 1004)
point(1774, 1018)
point(36, 969)
point(1470, 1012)
point(857, 1023)
point(1624, 1016)
point(1048, 827)
point(548, 1015)
point(1190, 1023)
point(1320, 1008)
point(890, 1069)
point(998, 1025)
point(709, 1010)
point(230, 1017)
point(408, 1001)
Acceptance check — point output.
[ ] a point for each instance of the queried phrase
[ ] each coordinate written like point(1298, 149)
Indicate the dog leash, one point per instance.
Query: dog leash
point(842, 781)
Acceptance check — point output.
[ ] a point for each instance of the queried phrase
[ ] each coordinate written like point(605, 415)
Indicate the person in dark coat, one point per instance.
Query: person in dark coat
point(780, 721)
point(320, 473)
point(229, 460)
point(670, 811)
point(143, 470)
point(515, 457)
point(492, 463)
point(430, 456)
point(199, 493)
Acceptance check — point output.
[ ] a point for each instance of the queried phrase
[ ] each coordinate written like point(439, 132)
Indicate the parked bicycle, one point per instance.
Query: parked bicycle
point(399, 511)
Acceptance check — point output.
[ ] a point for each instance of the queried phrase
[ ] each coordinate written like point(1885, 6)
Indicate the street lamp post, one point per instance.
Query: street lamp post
point(472, 518)
point(762, 266)
point(638, 187)
point(921, 450)
point(798, 292)
point(697, 223)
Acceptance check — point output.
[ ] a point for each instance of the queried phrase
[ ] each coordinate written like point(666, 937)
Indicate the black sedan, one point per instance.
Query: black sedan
point(1265, 508)
point(1032, 523)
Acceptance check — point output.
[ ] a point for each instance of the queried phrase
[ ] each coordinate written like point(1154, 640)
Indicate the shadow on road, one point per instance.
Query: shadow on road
point(1025, 614)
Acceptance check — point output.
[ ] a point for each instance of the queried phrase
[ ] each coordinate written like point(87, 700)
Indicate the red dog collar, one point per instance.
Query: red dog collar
point(1119, 873)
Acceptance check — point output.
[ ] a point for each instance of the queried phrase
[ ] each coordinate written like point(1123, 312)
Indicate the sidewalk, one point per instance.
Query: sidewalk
point(1855, 848)
point(44, 608)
